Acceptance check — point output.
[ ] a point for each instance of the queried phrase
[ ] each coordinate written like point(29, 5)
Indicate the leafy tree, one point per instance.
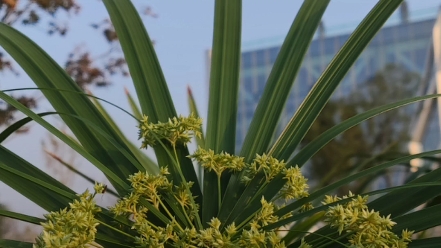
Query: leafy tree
point(375, 140)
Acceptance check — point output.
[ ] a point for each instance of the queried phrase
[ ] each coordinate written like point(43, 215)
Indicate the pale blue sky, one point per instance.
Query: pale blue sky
point(183, 32)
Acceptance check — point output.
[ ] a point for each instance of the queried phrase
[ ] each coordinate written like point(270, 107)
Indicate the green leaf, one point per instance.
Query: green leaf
point(312, 148)
point(107, 241)
point(200, 141)
point(21, 217)
point(40, 188)
point(273, 99)
point(135, 109)
point(74, 92)
point(116, 181)
point(331, 78)
point(79, 173)
point(320, 193)
point(46, 73)
point(19, 124)
point(300, 228)
point(407, 199)
point(6, 243)
point(144, 160)
point(425, 243)
point(151, 88)
point(420, 220)
point(146, 73)
point(315, 101)
point(309, 150)
point(223, 95)
point(282, 77)
point(326, 232)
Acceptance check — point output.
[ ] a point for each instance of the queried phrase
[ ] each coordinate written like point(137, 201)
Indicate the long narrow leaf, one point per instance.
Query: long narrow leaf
point(200, 141)
point(406, 200)
point(77, 172)
point(135, 109)
point(19, 124)
point(420, 220)
point(223, 96)
point(275, 95)
point(6, 243)
point(331, 78)
point(319, 95)
point(21, 217)
point(310, 149)
point(282, 77)
point(46, 73)
point(145, 161)
point(426, 243)
point(151, 88)
point(119, 183)
point(321, 192)
point(12, 167)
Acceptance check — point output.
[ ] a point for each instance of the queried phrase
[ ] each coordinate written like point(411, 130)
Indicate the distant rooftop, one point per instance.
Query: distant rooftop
point(415, 16)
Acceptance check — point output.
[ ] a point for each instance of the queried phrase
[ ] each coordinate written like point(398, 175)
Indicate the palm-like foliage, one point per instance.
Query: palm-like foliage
point(227, 197)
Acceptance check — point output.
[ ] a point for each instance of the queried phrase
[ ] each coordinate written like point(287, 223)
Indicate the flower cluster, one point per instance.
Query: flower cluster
point(265, 164)
point(71, 227)
point(213, 237)
point(154, 192)
point(255, 236)
point(366, 227)
point(146, 186)
point(296, 186)
point(177, 130)
point(156, 189)
point(165, 214)
point(218, 162)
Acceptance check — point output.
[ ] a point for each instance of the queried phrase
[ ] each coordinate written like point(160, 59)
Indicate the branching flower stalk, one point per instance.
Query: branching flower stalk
point(218, 163)
point(366, 228)
point(177, 222)
point(74, 226)
point(178, 130)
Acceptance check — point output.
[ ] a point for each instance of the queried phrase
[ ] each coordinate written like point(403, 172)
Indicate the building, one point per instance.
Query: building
point(406, 40)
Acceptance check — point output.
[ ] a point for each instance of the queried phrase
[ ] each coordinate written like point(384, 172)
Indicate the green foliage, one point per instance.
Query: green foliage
point(379, 139)
point(241, 200)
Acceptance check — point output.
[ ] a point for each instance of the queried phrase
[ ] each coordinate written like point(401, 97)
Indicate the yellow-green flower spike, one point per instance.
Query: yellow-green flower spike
point(71, 227)
point(218, 162)
point(178, 130)
point(366, 228)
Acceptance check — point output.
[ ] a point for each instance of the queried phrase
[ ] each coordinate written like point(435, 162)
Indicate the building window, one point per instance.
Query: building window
point(260, 58)
point(403, 32)
point(273, 52)
point(420, 58)
point(330, 47)
point(247, 60)
point(260, 85)
point(314, 49)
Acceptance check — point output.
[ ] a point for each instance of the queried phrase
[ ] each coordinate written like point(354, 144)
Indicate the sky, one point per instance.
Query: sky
point(183, 34)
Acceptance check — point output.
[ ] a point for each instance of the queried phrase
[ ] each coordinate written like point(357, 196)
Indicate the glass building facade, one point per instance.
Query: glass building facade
point(406, 43)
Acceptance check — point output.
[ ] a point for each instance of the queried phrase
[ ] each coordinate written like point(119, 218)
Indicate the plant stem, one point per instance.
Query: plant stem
point(199, 223)
point(186, 216)
point(168, 212)
point(115, 229)
point(219, 192)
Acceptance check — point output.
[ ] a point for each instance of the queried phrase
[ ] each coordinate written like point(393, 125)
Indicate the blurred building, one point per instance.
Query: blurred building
point(406, 40)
